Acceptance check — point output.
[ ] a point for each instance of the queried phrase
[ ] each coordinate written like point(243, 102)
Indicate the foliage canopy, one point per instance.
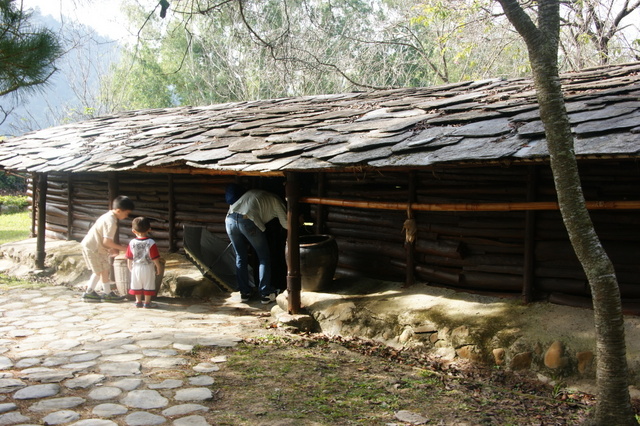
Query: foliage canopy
point(27, 54)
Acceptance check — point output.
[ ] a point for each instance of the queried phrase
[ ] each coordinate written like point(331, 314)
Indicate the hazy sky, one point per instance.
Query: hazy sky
point(102, 15)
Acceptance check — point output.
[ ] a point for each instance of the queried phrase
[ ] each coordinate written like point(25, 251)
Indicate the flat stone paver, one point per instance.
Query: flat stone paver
point(105, 392)
point(143, 418)
point(181, 410)
point(57, 403)
point(37, 391)
point(167, 384)
point(201, 380)
point(191, 421)
point(109, 410)
point(194, 394)
point(102, 364)
point(61, 417)
point(13, 418)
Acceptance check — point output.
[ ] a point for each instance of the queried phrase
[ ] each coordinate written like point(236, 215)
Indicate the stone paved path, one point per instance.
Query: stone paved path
point(65, 361)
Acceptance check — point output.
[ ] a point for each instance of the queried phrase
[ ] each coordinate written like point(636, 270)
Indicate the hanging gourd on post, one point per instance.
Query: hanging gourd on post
point(409, 227)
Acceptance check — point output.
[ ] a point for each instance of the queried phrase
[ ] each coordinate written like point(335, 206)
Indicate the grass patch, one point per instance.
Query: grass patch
point(20, 201)
point(8, 282)
point(15, 226)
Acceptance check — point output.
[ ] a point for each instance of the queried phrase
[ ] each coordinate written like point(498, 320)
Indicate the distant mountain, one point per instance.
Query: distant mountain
point(88, 56)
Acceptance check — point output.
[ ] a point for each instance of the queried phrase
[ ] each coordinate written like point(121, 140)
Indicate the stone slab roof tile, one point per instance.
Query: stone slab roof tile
point(306, 163)
point(247, 144)
point(283, 149)
point(362, 157)
point(367, 142)
point(622, 122)
point(326, 152)
point(462, 117)
point(534, 148)
point(70, 163)
point(532, 129)
point(478, 149)
point(207, 156)
point(302, 135)
point(403, 160)
point(268, 131)
point(608, 144)
point(386, 113)
point(275, 164)
point(488, 127)
point(425, 143)
point(606, 111)
point(241, 159)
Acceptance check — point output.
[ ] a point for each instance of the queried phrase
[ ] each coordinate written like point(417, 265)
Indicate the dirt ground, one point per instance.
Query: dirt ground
point(313, 380)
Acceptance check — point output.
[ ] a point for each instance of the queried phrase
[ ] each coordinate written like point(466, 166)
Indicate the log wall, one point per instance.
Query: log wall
point(467, 250)
point(485, 251)
point(193, 200)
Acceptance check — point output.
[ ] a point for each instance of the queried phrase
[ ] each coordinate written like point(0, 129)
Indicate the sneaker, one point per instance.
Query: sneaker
point(91, 296)
point(113, 298)
point(265, 300)
point(245, 297)
point(138, 304)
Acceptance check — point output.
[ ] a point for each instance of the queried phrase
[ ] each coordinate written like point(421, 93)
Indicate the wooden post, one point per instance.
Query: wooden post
point(410, 246)
point(320, 208)
point(69, 207)
point(112, 187)
point(294, 282)
point(529, 242)
point(34, 203)
point(112, 193)
point(172, 217)
point(42, 219)
point(112, 190)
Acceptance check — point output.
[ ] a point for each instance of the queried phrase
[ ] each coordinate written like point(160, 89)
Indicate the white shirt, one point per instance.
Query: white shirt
point(105, 227)
point(260, 206)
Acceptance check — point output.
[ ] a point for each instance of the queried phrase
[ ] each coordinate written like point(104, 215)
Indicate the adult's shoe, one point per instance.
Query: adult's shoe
point(113, 298)
point(265, 300)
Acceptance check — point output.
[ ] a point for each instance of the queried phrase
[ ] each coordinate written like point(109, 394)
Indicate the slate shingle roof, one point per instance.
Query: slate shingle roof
point(476, 121)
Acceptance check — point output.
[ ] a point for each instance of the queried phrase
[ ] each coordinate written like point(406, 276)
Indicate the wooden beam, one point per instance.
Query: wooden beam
point(459, 207)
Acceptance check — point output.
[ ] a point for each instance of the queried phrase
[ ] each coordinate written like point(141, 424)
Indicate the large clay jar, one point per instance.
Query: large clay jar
point(318, 261)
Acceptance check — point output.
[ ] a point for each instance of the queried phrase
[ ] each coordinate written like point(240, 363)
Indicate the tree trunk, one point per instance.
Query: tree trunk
point(613, 403)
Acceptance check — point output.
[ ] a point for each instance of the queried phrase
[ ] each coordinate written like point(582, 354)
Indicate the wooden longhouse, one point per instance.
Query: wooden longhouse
point(468, 161)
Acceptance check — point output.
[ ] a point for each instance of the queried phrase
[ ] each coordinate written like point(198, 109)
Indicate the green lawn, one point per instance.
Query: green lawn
point(15, 226)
